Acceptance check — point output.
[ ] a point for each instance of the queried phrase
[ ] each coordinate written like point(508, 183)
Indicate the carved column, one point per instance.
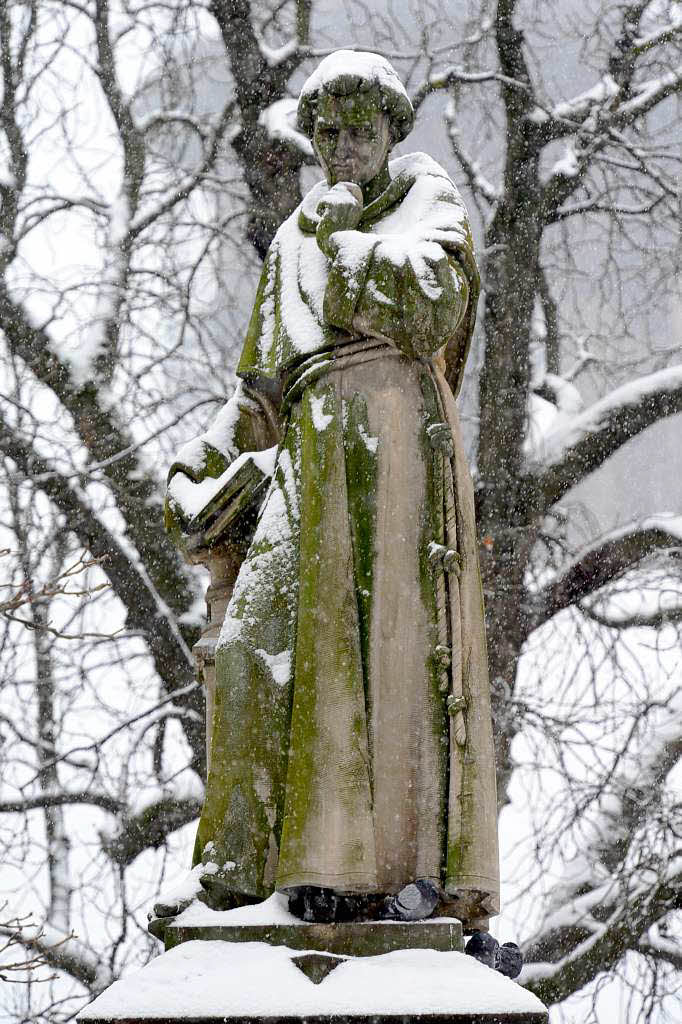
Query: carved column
point(223, 564)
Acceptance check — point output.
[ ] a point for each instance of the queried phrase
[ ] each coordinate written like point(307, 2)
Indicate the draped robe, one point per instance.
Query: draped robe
point(351, 734)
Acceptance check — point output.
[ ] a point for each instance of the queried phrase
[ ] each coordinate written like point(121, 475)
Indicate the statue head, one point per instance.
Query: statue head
point(354, 108)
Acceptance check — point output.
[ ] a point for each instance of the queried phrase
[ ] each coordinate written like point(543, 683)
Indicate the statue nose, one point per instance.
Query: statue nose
point(343, 145)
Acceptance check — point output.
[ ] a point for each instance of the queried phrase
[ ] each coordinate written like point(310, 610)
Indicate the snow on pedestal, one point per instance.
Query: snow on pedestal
point(216, 975)
point(225, 981)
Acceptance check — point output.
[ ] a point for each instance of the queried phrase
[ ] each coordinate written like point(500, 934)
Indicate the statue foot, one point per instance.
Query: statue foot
point(322, 905)
point(414, 902)
point(217, 894)
point(506, 958)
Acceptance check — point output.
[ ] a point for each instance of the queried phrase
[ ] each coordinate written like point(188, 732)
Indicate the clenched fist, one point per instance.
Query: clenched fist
point(340, 210)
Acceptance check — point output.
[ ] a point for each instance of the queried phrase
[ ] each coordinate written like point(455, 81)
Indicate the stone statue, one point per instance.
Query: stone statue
point(351, 760)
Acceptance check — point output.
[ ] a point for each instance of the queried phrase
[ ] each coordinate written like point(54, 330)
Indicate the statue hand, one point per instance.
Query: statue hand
point(340, 210)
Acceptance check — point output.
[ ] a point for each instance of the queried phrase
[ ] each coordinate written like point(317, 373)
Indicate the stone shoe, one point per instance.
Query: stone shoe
point(314, 903)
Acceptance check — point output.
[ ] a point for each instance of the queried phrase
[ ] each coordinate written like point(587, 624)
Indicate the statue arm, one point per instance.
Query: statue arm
point(248, 422)
point(408, 290)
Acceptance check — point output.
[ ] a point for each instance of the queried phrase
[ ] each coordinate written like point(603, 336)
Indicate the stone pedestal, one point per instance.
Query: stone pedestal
point(251, 967)
point(371, 938)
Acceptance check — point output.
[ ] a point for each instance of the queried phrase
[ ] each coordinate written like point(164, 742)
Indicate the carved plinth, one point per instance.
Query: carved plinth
point(371, 938)
point(359, 973)
point(218, 538)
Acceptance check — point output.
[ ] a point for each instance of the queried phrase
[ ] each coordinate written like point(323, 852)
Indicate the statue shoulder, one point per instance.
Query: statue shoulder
point(418, 165)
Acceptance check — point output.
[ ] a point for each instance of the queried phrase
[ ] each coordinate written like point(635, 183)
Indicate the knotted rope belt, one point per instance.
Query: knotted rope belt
point(341, 357)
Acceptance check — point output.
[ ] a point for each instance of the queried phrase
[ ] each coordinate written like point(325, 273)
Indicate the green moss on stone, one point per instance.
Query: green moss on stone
point(361, 482)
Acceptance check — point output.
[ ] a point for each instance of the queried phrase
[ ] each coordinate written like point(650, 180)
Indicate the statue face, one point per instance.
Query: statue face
point(352, 137)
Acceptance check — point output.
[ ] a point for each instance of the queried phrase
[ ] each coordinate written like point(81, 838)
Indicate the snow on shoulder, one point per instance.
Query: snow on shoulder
point(217, 979)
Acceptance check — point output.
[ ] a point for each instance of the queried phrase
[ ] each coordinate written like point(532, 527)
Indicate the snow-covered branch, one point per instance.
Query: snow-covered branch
point(261, 78)
point(618, 98)
point(592, 931)
point(609, 209)
point(622, 884)
point(478, 183)
point(211, 148)
point(647, 95)
point(603, 106)
point(61, 799)
point(456, 75)
point(604, 561)
point(149, 828)
point(578, 446)
point(659, 946)
point(279, 121)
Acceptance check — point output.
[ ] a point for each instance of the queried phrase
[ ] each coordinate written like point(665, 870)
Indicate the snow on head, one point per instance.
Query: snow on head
point(371, 67)
point(346, 71)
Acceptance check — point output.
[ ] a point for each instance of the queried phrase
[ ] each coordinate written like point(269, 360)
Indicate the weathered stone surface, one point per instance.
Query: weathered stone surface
point(316, 966)
point(369, 938)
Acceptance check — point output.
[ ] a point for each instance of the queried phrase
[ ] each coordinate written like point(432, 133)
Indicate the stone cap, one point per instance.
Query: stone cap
point(206, 982)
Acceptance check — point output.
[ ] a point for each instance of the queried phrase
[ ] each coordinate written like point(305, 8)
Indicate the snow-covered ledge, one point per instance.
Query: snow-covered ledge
point(209, 982)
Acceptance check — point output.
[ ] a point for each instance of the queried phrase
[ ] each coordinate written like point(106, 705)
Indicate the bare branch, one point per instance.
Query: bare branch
point(479, 185)
point(45, 800)
point(26, 593)
point(149, 829)
point(211, 149)
point(146, 612)
point(63, 951)
point(104, 437)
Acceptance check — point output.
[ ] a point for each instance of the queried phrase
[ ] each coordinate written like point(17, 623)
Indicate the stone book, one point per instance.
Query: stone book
point(231, 512)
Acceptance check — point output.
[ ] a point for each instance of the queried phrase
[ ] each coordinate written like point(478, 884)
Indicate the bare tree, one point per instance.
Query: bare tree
point(149, 155)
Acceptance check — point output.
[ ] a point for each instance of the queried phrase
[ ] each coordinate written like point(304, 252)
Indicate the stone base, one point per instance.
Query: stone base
point(217, 982)
point(424, 1018)
point(262, 965)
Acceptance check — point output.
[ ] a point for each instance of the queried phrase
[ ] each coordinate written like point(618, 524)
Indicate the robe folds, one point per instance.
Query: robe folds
point(351, 735)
